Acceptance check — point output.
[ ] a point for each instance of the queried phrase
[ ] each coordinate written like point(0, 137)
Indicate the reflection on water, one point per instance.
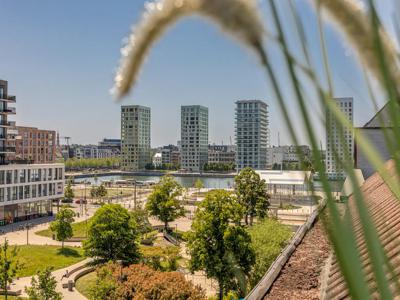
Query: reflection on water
point(208, 182)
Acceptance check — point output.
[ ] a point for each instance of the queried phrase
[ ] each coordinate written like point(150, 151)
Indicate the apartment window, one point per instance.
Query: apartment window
point(9, 177)
point(34, 191)
point(2, 177)
point(20, 192)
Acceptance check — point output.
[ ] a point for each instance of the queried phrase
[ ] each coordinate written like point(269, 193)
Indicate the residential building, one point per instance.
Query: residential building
point(280, 155)
point(194, 137)
point(34, 145)
point(338, 150)
point(222, 154)
point(28, 190)
point(170, 155)
point(7, 128)
point(110, 143)
point(251, 133)
point(135, 137)
point(374, 131)
point(157, 160)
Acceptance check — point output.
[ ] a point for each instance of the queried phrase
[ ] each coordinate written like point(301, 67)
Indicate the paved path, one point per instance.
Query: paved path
point(23, 282)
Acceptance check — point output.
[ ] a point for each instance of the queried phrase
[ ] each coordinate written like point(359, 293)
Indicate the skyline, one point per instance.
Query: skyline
point(68, 67)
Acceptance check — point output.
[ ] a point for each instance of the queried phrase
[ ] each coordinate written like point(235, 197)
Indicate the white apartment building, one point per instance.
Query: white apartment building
point(194, 137)
point(157, 159)
point(251, 133)
point(336, 149)
point(135, 137)
point(27, 191)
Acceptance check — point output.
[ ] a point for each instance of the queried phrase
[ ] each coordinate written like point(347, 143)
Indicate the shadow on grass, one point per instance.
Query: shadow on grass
point(68, 252)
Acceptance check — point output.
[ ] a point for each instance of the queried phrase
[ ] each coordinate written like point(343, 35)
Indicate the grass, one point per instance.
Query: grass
point(35, 257)
point(85, 284)
point(79, 230)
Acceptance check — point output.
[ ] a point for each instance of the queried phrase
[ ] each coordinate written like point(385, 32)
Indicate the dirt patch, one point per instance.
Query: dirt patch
point(300, 277)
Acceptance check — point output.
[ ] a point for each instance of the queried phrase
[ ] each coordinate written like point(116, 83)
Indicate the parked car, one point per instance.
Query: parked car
point(79, 201)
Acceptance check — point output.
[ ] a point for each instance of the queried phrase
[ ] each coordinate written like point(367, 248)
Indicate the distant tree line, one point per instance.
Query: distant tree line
point(95, 163)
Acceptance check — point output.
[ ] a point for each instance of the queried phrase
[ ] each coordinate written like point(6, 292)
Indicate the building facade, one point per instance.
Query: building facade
point(288, 154)
point(222, 154)
point(337, 151)
point(27, 191)
point(194, 137)
point(35, 145)
point(251, 134)
point(170, 155)
point(7, 128)
point(135, 137)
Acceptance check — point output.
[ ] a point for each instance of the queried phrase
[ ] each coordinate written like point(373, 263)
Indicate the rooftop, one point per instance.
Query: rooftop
point(284, 176)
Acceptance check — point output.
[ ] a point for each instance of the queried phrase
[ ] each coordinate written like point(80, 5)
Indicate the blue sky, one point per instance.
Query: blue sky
point(60, 57)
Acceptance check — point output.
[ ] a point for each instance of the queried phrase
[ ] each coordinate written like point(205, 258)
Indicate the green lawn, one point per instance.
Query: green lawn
point(85, 283)
point(34, 257)
point(78, 228)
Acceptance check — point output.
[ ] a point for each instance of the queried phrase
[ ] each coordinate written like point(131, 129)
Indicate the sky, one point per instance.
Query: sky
point(60, 58)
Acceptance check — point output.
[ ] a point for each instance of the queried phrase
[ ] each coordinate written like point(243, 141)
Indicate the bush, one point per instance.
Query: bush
point(268, 239)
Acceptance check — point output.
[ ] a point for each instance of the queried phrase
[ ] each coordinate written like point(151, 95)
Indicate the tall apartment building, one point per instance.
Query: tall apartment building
point(194, 137)
point(35, 145)
point(337, 150)
point(7, 128)
point(251, 134)
point(135, 137)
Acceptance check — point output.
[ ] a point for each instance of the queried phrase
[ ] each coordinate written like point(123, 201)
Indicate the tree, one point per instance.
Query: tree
point(112, 235)
point(61, 227)
point(218, 244)
point(251, 191)
point(105, 285)
point(44, 287)
point(268, 239)
point(163, 202)
point(101, 191)
point(141, 219)
point(9, 266)
point(68, 192)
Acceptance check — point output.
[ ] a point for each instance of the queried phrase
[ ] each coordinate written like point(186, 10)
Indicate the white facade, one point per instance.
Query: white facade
point(287, 154)
point(157, 159)
point(194, 137)
point(251, 134)
point(27, 191)
point(336, 149)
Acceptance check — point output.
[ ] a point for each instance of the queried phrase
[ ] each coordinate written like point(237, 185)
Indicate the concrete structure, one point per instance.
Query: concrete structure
point(194, 137)
point(135, 137)
point(7, 128)
point(251, 133)
point(27, 191)
point(223, 154)
point(34, 145)
point(110, 143)
point(278, 155)
point(287, 183)
point(336, 150)
point(374, 130)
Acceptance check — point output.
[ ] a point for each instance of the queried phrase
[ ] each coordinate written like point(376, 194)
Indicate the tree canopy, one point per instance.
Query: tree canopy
point(61, 227)
point(251, 191)
point(218, 244)
point(44, 287)
point(163, 202)
point(112, 235)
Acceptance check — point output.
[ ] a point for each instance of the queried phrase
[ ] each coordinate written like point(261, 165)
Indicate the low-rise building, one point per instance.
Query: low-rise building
point(288, 154)
point(28, 190)
point(290, 184)
point(170, 155)
point(157, 159)
point(35, 145)
point(223, 154)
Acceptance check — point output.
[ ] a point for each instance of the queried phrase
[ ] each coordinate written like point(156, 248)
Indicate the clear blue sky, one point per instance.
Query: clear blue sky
point(60, 57)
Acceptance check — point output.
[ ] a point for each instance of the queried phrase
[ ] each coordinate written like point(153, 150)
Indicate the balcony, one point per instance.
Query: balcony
point(7, 149)
point(8, 111)
point(7, 124)
point(10, 99)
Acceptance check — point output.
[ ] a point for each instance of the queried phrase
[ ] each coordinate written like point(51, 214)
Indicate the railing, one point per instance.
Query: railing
point(10, 123)
point(9, 98)
point(7, 149)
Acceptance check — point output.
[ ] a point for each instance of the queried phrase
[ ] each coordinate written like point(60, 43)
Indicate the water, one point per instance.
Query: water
point(208, 182)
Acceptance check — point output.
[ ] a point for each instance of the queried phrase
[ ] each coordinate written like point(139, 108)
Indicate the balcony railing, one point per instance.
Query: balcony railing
point(8, 98)
point(8, 110)
point(7, 149)
point(7, 124)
